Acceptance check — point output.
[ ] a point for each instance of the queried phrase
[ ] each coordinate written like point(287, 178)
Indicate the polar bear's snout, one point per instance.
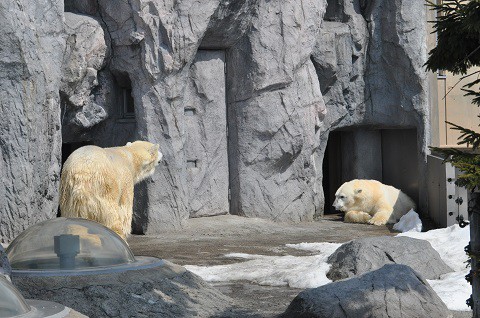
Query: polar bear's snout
point(337, 204)
point(160, 156)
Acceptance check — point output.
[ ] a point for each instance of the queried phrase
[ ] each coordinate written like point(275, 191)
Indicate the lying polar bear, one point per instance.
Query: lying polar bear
point(370, 201)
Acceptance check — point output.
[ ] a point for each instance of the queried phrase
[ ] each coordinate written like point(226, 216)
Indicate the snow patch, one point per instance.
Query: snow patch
point(409, 222)
point(453, 289)
point(448, 242)
point(293, 271)
point(315, 247)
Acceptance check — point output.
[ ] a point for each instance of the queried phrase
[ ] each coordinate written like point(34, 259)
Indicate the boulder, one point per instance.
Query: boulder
point(390, 292)
point(367, 254)
point(166, 291)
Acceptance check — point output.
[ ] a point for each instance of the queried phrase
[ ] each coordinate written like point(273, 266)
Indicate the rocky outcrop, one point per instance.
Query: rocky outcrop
point(274, 107)
point(32, 42)
point(391, 291)
point(340, 59)
point(84, 56)
point(369, 58)
point(164, 291)
point(367, 254)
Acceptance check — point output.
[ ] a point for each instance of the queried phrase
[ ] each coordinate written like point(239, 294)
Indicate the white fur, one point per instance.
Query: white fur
point(98, 183)
point(370, 201)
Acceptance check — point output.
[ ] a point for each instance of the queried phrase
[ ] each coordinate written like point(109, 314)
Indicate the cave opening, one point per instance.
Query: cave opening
point(334, 11)
point(384, 154)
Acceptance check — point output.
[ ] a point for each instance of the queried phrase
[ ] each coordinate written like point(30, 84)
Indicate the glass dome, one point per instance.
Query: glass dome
point(68, 244)
point(13, 305)
point(12, 302)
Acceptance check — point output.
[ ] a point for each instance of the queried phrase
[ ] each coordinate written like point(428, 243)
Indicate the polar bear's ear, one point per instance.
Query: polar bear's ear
point(154, 149)
point(129, 144)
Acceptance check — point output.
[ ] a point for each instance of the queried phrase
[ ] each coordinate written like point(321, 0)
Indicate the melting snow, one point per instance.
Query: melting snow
point(310, 271)
point(409, 222)
point(293, 271)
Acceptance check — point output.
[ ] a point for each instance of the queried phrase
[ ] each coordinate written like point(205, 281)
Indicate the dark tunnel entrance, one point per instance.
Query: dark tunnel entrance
point(387, 155)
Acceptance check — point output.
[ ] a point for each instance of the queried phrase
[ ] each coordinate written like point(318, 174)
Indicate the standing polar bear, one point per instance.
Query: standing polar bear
point(97, 183)
point(370, 201)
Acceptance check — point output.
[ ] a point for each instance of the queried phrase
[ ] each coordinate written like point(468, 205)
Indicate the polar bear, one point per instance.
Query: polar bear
point(97, 183)
point(370, 201)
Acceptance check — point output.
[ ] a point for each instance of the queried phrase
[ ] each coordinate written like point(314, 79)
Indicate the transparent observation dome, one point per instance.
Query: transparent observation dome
point(68, 244)
point(13, 305)
point(12, 302)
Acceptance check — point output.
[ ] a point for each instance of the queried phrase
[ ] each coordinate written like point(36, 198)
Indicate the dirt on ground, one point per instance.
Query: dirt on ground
point(205, 241)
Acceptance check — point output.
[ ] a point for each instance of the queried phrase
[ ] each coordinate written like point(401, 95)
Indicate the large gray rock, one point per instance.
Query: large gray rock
point(390, 292)
point(32, 42)
point(274, 108)
point(367, 254)
point(340, 60)
point(166, 291)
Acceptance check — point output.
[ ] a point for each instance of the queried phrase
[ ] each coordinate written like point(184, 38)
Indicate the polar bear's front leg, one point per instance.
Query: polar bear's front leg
point(382, 216)
point(125, 213)
point(357, 217)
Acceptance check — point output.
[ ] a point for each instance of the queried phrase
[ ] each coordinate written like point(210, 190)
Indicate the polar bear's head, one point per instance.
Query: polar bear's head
point(347, 196)
point(146, 156)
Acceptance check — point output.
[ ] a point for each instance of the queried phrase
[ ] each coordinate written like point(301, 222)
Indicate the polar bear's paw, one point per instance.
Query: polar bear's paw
point(378, 219)
point(356, 217)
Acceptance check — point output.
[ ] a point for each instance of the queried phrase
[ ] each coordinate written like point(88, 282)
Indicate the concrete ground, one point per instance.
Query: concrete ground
point(205, 241)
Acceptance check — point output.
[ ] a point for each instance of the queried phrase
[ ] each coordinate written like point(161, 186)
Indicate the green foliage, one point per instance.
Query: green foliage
point(468, 163)
point(458, 29)
point(458, 49)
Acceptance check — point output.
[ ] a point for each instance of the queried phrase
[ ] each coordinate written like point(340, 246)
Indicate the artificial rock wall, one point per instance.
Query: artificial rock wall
point(241, 96)
point(32, 43)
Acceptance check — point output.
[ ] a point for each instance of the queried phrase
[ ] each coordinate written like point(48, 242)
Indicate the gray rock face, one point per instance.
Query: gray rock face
point(367, 254)
point(166, 291)
point(340, 59)
point(206, 136)
point(274, 108)
point(293, 71)
point(32, 42)
point(391, 291)
point(364, 54)
point(84, 56)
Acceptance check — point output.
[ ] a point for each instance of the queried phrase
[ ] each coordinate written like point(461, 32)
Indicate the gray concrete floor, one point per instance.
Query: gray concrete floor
point(205, 241)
